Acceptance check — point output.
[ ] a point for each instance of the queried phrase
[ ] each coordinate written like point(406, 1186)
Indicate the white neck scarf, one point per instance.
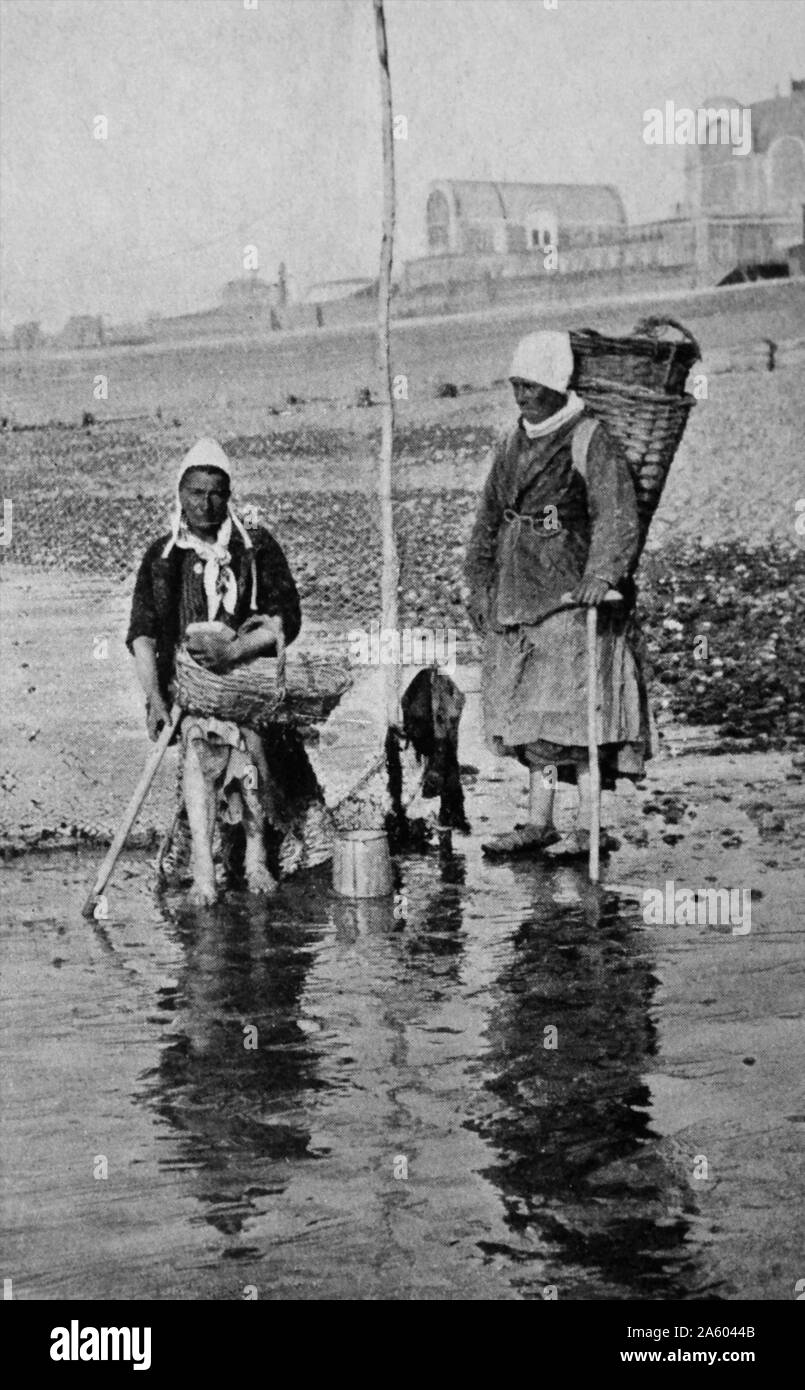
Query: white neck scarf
point(572, 407)
point(220, 584)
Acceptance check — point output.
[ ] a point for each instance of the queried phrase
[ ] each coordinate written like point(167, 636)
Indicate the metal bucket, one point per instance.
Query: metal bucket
point(362, 864)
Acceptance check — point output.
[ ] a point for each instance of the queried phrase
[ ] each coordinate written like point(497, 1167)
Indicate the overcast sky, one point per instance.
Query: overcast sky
point(229, 126)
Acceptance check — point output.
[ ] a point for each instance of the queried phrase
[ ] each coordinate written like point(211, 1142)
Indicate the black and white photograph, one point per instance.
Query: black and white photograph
point(402, 407)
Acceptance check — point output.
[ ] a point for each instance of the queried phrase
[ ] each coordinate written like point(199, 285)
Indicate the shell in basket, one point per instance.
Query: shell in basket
point(265, 691)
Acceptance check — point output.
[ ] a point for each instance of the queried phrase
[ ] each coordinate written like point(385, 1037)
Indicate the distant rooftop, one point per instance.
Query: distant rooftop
point(573, 203)
point(325, 291)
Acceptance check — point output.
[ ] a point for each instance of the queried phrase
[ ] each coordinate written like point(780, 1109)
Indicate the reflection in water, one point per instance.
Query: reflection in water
point(423, 1033)
point(586, 1186)
point(440, 917)
point(237, 1097)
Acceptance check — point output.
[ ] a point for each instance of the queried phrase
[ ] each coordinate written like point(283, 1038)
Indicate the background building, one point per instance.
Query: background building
point(470, 217)
point(769, 180)
point(748, 208)
point(248, 306)
point(335, 291)
point(488, 232)
point(27, 337)
point(81, 331)
point(491, 240)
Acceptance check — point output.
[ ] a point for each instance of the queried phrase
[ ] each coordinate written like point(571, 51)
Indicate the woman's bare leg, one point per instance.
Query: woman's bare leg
point(538, 832)
point(258, 875)
point(540, 800)
point(253, 790)
point(200, 800)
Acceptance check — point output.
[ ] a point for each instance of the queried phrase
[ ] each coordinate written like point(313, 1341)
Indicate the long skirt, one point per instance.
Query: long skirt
point(535, 695)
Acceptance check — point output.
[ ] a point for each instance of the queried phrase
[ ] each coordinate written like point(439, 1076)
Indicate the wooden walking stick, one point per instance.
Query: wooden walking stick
point(613, 596)
point(592, 739)
point(132, 810)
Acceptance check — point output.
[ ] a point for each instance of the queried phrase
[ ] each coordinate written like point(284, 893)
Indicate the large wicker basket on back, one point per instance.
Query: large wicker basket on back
point(636, 386)
point(643, 358)
point(267, 690)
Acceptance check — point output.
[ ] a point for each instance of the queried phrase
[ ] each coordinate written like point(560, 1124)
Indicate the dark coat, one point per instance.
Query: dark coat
point(518, 572)
point(157, 593)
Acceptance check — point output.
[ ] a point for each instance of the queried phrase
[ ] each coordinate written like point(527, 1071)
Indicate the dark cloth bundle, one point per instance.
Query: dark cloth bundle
point(431, 709)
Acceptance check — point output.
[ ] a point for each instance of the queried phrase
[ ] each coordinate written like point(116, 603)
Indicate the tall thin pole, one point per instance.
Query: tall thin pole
point(390, 574)
point(592, 741)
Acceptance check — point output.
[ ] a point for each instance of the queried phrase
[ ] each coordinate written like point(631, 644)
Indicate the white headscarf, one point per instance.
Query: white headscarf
point(220, 584)
point(546, 358)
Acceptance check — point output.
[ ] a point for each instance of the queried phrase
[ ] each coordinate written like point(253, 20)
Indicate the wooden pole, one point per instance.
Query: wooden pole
point(611, 596)
point(390, 574)
point(132, 810)
point(592, 741)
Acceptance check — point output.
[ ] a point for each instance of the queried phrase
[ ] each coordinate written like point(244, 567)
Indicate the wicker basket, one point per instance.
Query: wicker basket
point(644, 358)
point(648, 426)
point(636, 386)
point(264, 691)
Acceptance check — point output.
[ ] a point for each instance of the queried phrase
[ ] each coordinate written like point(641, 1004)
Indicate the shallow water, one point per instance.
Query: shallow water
point(403, 1127)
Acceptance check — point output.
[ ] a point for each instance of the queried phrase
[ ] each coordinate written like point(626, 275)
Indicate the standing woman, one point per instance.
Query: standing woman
point(557, 518)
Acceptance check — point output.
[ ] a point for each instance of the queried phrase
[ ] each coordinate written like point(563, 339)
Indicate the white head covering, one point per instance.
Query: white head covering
point(206, 453)
point(220, 584)
point(546, 358)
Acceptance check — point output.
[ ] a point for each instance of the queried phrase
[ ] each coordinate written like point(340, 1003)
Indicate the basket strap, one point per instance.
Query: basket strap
point(580, 443)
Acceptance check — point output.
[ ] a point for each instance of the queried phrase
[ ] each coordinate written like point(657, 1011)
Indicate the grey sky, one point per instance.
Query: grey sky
point(230, 126)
